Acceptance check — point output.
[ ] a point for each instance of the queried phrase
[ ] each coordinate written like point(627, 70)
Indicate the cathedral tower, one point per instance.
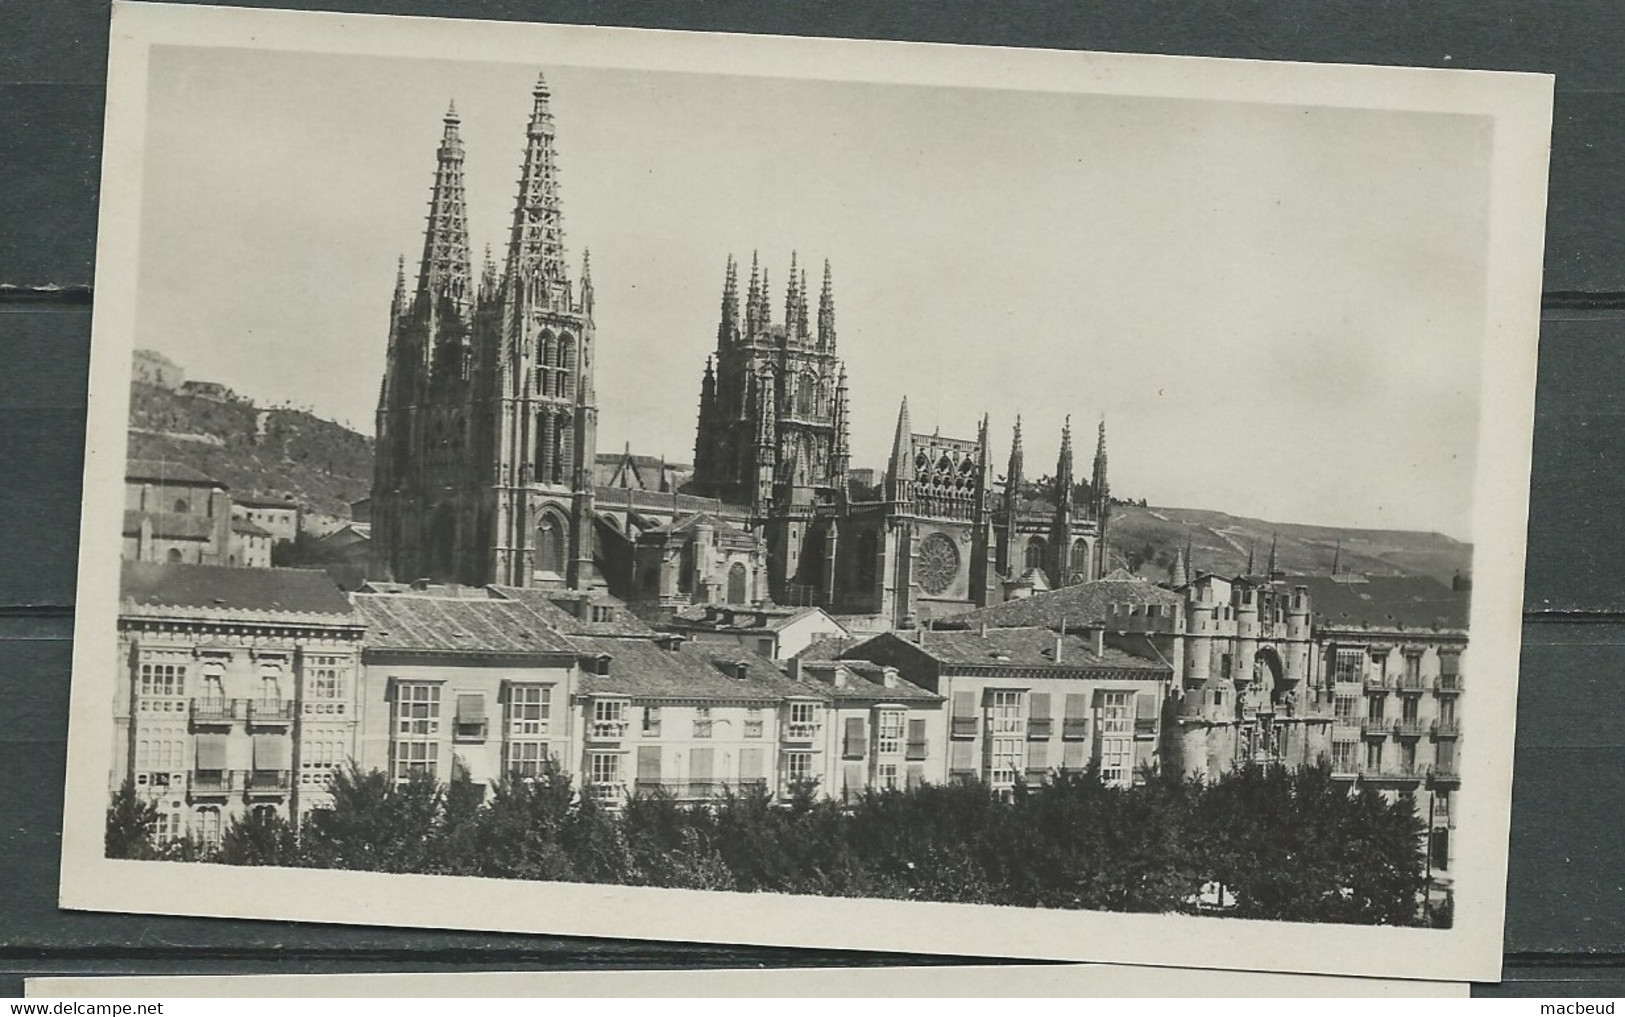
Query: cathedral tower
point(487, 418)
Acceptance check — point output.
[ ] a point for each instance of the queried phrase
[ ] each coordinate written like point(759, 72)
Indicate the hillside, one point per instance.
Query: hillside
point(1146, 539)
point(270, 453)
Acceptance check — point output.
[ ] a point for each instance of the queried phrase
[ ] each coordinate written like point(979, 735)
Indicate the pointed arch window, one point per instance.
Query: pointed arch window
point(550, 544)
point(1034, 558)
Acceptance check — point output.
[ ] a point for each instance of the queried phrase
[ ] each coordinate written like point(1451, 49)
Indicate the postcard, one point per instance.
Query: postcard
point(807, 492)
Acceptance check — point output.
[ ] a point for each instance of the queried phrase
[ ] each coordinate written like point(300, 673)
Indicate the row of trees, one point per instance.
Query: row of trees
point(1293, 846)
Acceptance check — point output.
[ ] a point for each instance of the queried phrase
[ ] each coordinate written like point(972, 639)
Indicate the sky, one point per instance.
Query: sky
point(1278, 310)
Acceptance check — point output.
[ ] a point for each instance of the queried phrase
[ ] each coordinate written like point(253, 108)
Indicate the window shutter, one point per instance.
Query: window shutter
point(915, 775)
point(1143, 751)
point(211, 752)
point(1038, 756)
point(1074, 756)
point(1145, 706)
point(854, 738)
point(916, 739)
point(649, 762)
point(270, 752)
point(961, 759)
point(750, 764)
point(1075, 723)
point(852, 778)
point(964, 704)
point(1038, 706)
point(471, 708)
point(699, 765)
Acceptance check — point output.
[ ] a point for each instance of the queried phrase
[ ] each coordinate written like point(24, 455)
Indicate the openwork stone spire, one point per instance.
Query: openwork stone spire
point(826, 313)
point(1063, 469)
point(445, 269)
point(536, 245)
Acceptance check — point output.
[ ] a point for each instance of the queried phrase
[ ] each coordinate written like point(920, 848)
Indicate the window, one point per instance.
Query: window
point(702, 722)
point(1226, 665)
point(608, 718)
point(917, 747)
point(417, 728)
point(167, 828)
point(1005, 715)
point(753, 722)
point(803, 720)
point(325, 685)
point(1343, 757)
point(1407, 756)
point(470, 724)
point(1373, 756)
point(604, 768)
point(1447, 712)
point(317, 763)
point(1348, 664)
point(524, 759)
point(208, 828)
point(163, 679)
point(181, 506)
point(530, 707)
point(1413, 668)
point(1345, 710)
point(1116, 714)
point(889, 733)
point(797, 767)
point(1116, 760)
point(886, 776)
point(651, 722)
point(271, 683)
point(1006, 759)
point(1408, 709)
point(1374, 706)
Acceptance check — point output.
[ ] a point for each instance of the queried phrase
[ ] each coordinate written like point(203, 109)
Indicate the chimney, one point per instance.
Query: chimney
point(984, 628)
point(838, 676)
point(1060, 641)
point(420, 585)
point(1097, 641)
point(890, 677)
point(795, 668)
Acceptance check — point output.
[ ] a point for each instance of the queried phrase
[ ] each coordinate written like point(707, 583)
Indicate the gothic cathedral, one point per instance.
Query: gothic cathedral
point(485, 459)
point(486, 419)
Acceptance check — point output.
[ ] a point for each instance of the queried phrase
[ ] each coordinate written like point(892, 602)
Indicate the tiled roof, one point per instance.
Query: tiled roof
point(642, 668)
point(688, 523)
point(170, 525)
point(152, 587)
point(829, 647)
point(167, 472)
point(1083, 604)
point(745, 619)
point(419, 622)
point(1414, 602)
point(266, 503)
point(1026, 647)
point(250, 528)
point(866, 681)
point(546, 604)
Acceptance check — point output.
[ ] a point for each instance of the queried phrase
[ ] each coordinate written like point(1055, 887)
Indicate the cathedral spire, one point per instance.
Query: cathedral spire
point(898, 471)
point(586, 282)
point(1179, 573)
point(398, 305)
point(1013, 474)
point(802, 331)
point(488, 276)
point(1273, 538)
point(753, 296)
point(841, 458)
point(728, 328)
point(444, 270)
point(792, 302)
point(536, 245)
point(1100, 489)
point(1063, 469)
point(826, 313)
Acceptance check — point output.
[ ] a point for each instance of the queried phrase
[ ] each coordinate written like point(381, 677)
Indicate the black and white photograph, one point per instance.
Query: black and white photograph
point(747, 489)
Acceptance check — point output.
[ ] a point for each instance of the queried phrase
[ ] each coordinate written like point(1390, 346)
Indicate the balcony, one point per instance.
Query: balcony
point(1374, 727)
point(210, 784)
point(1448, 683)
point(606, 731)
point(698, 790)
point(1447, 728)
point(214, 711)
point(1392, 771)
point(1445, 773)
point(1378, 682)
point(1411, 727)
point(1345, 768)
point(801, 731)
point(274, 713)
point(1411, 683)
point(267, 783)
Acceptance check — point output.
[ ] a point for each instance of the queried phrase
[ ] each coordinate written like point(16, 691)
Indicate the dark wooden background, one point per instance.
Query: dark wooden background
point(1565, 928)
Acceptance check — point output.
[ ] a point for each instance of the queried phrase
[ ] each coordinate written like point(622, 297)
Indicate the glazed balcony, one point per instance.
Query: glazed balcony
point(803, 731)
point(606, 731)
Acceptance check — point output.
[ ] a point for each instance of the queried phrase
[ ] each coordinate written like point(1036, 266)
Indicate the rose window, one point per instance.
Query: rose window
point(939, 563)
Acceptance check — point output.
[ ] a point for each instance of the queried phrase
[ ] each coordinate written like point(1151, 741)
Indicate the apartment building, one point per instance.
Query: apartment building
point(876, 730)
point(459, 684)
point(1026, 702)
point(238, 689)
